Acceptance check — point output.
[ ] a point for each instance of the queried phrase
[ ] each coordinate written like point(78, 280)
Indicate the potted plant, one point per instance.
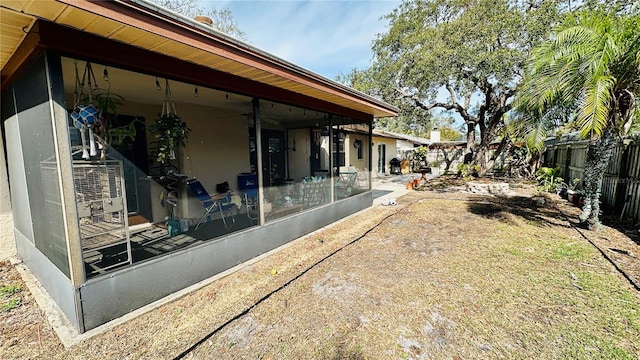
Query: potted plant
point(569, 190)
point(107, 104)
point(420, 158)
point(435, 167)
point(576, 197)
point(171, 132)
point(169, 129)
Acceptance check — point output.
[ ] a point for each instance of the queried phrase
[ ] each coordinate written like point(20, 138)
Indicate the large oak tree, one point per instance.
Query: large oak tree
point(463, 56)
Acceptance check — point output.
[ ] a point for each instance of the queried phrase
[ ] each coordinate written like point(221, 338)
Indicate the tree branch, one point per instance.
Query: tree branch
point(447, 106)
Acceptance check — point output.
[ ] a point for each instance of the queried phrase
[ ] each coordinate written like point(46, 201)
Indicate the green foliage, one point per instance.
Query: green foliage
point(468, 171)
point(449, 134)
point(171, 132)
point(574, 184)
point(6, 292)
point(473, 50)
point(589, 69)
point(107, 103)
point(420, 157)
point(557, 88)
point(11, 304)
point(549, 179)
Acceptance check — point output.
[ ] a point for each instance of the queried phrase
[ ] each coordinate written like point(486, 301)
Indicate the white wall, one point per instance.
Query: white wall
point(390, 153)
point(351, 153)
point(217, 150)
point(299, 165)
point(403, 145)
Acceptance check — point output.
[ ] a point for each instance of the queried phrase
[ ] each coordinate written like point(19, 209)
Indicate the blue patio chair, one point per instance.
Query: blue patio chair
point(211, 204)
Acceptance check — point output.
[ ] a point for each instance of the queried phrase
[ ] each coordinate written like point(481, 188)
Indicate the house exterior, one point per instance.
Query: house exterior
point(389, 145)
point(123, 121)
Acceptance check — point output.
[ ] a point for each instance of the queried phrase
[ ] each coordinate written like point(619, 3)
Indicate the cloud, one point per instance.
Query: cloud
point(327, 37)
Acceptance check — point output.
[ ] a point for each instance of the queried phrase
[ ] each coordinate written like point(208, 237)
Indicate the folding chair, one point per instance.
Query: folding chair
point(220, 203)
point(251, 201)
point(248, 184)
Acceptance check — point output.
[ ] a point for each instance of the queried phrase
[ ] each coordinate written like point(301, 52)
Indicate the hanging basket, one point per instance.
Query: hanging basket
point(85, 114)
point(169, 129)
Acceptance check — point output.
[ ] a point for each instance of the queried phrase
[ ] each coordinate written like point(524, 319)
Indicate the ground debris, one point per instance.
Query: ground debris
point(448, 275)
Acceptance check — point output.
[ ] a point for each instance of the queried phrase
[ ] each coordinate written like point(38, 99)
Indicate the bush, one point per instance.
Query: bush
point(420, 158)
point(549, 179)
point(468, 171)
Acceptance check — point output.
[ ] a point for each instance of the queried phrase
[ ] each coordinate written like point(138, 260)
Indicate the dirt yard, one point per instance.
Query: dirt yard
point(443, 274)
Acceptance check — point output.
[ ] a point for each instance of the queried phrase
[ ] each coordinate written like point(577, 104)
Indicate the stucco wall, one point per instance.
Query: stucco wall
point(299, 165)
point(391, 152)
point(217, 150)
point(353, 163)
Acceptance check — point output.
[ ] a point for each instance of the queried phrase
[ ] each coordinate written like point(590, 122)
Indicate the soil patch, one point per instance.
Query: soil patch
point(443, 274)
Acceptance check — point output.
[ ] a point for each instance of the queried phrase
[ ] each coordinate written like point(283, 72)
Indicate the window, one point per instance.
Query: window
point(338, 155)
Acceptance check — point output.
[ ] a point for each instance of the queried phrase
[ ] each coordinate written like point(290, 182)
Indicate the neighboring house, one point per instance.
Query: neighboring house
point(388, 146)
point(102, 224)
point(448, 154)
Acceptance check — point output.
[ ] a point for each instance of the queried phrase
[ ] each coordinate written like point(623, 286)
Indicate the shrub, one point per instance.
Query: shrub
point(468, 171)
point(549, 179)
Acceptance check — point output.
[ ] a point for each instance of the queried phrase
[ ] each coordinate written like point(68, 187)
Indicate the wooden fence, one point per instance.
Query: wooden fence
point(621, 184)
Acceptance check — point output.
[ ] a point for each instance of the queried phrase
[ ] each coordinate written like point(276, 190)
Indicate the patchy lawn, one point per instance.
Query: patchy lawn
point(440, 275)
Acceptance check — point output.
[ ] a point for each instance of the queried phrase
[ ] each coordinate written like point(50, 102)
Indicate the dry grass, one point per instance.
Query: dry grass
point(447, 276)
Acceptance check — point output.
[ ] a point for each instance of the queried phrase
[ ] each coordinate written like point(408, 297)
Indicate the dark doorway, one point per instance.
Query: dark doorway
point(273, 156)
point(316, 151)
point(127, 136)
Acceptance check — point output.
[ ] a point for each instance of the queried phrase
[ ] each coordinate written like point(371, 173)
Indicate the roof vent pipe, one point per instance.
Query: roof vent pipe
point(204, 19)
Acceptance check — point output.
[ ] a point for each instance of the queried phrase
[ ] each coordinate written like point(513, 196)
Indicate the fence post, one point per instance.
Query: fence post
point(621, 181)
point(566, 171)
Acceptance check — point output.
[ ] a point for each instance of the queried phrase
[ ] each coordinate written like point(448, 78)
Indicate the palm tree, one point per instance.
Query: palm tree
point(589, 70)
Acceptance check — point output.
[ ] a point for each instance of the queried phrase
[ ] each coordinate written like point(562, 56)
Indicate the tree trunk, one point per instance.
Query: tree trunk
point(480, 158)
point(487, 135)
point(471, 142)
point(598, 156)
point(504, 145)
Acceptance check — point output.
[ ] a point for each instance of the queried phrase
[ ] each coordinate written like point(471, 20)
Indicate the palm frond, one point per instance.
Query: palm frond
point(595, 106)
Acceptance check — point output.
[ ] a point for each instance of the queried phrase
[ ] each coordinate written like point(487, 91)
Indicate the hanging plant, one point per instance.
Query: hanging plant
point(169, 129)
point(94, 111)
point(107, 104)
point(171, 132)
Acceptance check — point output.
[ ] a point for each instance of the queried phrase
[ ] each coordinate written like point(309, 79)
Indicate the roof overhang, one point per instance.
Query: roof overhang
point(151, 28)
point(413, 139)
